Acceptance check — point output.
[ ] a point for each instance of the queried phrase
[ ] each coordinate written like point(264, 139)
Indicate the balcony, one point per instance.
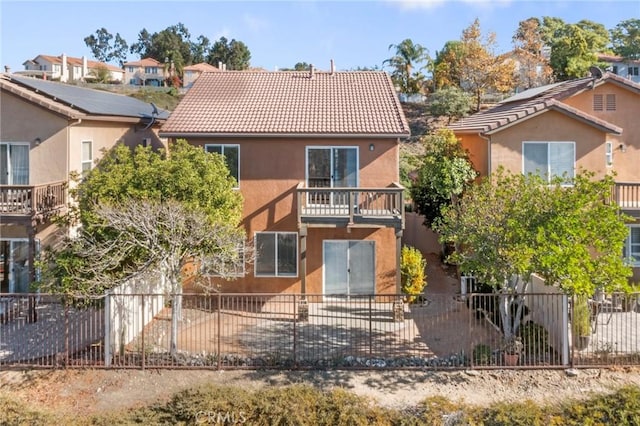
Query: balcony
point(351, 207)
point(33, 202)
point(627, 195)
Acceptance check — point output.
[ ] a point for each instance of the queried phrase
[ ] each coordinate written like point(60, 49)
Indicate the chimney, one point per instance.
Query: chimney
point(311, 71)
point(220, 65)
point(333, 67)
point(7, 69)
point(65, 72)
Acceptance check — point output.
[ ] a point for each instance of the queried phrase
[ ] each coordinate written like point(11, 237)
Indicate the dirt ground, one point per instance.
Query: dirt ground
point(99, 391)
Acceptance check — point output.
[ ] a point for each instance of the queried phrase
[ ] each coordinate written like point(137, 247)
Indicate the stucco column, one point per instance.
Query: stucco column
point(303, 260)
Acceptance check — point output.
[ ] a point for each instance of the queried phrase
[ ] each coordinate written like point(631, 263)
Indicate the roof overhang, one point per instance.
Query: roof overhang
point(284, 135)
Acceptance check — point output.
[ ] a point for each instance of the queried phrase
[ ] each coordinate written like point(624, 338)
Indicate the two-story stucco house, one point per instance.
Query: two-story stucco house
point(145, 72)
point(49, 130)
point(191, 73)
point(68, 69)
point(315, 155)
point(590, 123)
point(628, 68)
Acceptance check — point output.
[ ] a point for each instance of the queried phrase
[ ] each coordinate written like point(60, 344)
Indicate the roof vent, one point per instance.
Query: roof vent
point(333, 67)
point(311, 71)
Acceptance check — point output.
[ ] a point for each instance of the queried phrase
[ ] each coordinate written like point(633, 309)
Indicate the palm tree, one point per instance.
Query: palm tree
point(407, 56)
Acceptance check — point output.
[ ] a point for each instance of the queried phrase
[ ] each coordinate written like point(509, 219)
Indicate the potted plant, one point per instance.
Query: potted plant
point(581, 323)
point(511, 349)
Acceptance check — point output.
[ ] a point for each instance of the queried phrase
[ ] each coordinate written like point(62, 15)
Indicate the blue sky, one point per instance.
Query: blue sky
point(281, 33)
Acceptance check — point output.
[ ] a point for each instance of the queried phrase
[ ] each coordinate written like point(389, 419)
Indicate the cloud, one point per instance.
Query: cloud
point(255, 24)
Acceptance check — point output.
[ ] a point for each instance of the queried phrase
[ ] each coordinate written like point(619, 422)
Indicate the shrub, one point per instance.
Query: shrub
point(482, 354)
point(412, 272)
point(535, 339)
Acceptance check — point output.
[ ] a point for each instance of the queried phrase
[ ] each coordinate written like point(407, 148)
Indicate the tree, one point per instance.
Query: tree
point(101, 74)
point(233, 54)
point(574, 47)
point(447, 65)
point(445, 172)
point(407, 74)
point(510, 226)
point(625, 39)
point(200, 49)
point(103, 50)
point(528, 42)
point(143, 211)
point(299, 66)
point(481, 70)
point(451, 102)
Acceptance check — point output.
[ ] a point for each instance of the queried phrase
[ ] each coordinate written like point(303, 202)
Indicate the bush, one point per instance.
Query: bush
point(535, 339)
point(482, 354)
point(412, 272)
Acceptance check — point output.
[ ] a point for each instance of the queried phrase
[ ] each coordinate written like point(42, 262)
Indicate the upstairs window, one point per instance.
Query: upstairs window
point(87, 157)
point(231, 155)
point(632, 245)
point(549, 159)
point(615, 70)
point(632, 71)
point(609, 153)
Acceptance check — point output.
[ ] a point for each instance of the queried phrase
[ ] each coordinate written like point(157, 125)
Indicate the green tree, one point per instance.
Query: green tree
point(235, 55)
point(481, 70)
point(510, 226)
point(451, 102)
point(574, 47)
point(444, 173)
point(447, 65)
point(406, 66)
point(101, 74)
point(200, 49)
point(103, 49)
point(625, 39)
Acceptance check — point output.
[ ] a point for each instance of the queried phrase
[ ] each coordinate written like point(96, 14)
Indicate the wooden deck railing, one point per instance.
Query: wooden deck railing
point(32, 200)
point(356, 205)
point(627, 195)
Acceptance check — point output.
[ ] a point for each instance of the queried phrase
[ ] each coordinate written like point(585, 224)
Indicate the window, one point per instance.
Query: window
point(231, 155)
point(597, 103)
point(632, 71)
point(609, 153)
point(549, 159)
point(276, 254)
point(14, 164)
point(87, 157)
point(131, 69)
point(611, 102)
point(615, 70)
point(151, 70)
point(632, 245)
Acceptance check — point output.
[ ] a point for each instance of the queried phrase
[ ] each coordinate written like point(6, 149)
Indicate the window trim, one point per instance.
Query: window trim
point(549, 177)
point(82, 159)
point(223, 145)
point(608, 152)
point(276, 274)
point(627, 248)
point(8, 166)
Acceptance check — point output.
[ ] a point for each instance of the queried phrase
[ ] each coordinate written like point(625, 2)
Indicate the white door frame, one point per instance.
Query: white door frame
point(324, 265)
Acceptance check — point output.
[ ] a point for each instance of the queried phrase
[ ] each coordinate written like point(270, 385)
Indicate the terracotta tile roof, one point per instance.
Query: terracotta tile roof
point(353, 103)
point(539, 100)
point(146, 62)
point(202, 67)
point(614, 58)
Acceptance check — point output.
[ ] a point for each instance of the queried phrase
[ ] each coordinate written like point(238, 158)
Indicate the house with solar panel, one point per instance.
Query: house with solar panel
point(590, 123)
point(49, 131)
point(315, 155)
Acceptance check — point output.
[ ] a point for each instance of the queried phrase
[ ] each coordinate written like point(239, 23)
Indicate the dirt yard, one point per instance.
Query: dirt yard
point(99, 391)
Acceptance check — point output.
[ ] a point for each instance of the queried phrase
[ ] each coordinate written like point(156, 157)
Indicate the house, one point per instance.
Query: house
point(145, 72)
point(628, 68)
point(315, 155)
point(192, 72)
point(48, 131)
point(589, 123)
point(68, 69)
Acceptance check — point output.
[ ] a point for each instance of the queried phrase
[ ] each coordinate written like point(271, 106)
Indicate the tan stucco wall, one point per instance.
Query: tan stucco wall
point(270, 170)
point(478, 151)
point(626, 116)
point(506, 146)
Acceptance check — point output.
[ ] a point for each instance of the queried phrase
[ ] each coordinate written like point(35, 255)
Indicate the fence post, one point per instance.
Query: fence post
point(142, 334)
point(107, 330)
point(219, 350)
point(295, 335)
point(565, 330)
point(66, 336)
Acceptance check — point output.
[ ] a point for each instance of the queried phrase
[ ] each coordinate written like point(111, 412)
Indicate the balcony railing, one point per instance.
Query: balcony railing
point(627, 195)
point(351, 206)
point(36, 200)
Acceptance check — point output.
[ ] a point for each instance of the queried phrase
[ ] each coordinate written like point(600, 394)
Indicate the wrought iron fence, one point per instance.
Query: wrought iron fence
point(222, 331)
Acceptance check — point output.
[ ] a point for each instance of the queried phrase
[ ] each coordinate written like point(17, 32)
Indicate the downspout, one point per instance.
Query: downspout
point(68, 165)
point(488, 139)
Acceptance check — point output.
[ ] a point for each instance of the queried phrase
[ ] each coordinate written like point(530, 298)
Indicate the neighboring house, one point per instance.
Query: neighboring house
point(145, 72)
point(192, 72)
point(47, 131)
point(590, 123)
point(315, 155)
point(627, 68)
point(68, 69)
point(530, 70)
